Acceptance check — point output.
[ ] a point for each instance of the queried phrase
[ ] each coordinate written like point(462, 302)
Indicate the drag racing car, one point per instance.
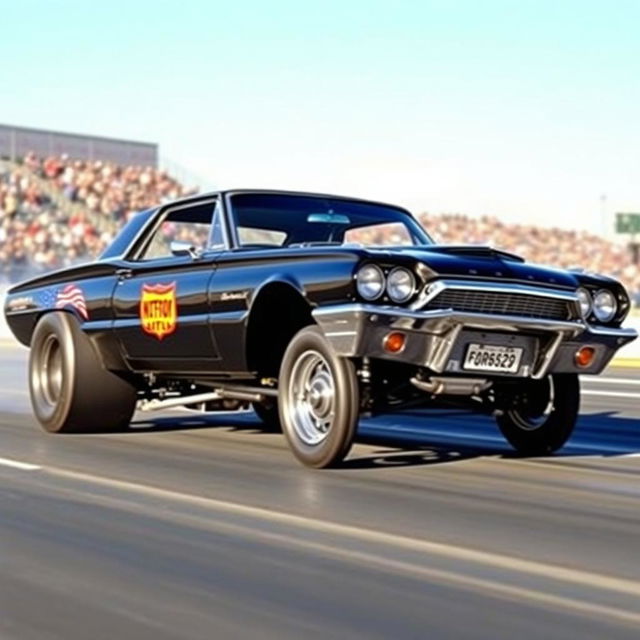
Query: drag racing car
point(313, 309)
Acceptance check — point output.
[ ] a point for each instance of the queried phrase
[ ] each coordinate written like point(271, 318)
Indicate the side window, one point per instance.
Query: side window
point(191, 225)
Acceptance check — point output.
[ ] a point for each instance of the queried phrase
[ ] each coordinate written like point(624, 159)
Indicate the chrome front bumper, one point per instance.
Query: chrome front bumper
point(436, 339)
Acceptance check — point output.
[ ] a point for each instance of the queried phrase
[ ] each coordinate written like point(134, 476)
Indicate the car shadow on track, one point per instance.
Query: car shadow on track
point(423, 438)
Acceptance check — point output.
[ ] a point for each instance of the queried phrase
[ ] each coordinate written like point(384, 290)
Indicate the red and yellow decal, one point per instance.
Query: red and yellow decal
point(159, 309)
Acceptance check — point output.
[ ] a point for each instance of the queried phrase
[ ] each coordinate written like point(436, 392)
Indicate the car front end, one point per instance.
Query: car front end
point(479, 327)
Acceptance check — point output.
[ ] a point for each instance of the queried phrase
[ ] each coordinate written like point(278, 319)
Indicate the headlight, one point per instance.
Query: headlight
point(604, 305)
point(400, 284)
point(370, 282)
point(584, 297)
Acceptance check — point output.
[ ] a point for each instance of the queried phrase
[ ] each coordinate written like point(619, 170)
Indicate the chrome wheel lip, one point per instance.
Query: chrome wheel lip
point(312, 395)
point(49, 372)
point(533, 423)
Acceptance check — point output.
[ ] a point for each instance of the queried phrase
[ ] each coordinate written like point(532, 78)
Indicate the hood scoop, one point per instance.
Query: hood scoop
point(475, 251)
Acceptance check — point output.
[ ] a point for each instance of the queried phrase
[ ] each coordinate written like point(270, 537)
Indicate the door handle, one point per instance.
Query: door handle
point(124, 273)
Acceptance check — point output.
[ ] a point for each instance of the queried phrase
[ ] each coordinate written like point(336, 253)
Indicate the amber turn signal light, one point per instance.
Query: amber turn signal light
point(394, 342)
point(584, 356)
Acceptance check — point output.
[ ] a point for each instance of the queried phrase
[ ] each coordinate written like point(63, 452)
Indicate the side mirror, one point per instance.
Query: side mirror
point(185, 249)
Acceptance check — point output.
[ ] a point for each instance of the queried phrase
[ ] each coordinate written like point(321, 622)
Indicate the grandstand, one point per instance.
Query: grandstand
point(17, 142)
point(58, 209)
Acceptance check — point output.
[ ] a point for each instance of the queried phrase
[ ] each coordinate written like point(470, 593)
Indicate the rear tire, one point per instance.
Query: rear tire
point(70, 389)
point(319, 400)
point(544, 417)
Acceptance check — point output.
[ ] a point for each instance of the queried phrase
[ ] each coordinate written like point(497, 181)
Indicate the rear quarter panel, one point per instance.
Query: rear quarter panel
point(85, 292)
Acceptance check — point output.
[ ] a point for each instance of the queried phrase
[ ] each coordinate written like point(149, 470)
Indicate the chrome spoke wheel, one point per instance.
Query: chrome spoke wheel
point(312, 391)
point(47, 375)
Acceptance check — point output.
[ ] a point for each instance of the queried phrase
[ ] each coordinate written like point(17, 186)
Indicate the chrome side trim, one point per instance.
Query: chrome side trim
point(404, 318)
point(614, 332)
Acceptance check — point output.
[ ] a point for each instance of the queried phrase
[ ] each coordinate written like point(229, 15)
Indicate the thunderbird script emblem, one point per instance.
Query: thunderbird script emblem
point(158, 309)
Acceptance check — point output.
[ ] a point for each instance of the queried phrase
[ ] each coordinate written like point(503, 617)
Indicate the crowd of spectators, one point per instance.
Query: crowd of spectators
point(543, 245)
point(106, 188)
point(36, 234)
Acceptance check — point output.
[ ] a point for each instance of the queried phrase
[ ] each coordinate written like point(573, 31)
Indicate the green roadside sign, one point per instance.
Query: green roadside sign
point(628, 223)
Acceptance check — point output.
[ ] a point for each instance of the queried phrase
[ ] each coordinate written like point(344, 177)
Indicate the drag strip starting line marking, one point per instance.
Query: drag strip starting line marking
point(16, 464)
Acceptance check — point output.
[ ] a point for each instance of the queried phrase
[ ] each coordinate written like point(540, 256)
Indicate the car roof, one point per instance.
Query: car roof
point(283, 192)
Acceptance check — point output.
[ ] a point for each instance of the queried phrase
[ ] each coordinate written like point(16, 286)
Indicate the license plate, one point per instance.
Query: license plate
point(487, 357)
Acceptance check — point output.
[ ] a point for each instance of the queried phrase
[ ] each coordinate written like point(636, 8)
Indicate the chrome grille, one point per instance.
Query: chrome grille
point(498, 303)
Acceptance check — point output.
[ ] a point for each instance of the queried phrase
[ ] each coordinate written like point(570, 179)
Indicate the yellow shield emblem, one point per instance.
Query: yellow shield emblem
point(158, 309)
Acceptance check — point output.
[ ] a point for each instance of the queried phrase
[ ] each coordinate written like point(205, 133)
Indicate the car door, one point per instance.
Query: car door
point(160, 302)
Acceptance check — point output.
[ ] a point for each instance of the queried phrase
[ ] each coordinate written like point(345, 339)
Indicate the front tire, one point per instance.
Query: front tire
point(70, 389)
point(319, 400)
point(544, 415)
point(269, 414)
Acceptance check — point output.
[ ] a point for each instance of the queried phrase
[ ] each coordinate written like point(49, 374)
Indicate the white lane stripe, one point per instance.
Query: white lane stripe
point(13, 392)
point(16, 464)
point(605, 380)
point(600, 582)
point(490, 587)
point(610, 394)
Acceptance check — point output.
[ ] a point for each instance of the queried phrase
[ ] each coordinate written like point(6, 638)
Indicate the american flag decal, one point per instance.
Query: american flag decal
point(72, 296)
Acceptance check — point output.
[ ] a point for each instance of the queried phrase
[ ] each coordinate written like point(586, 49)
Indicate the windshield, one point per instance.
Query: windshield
point(280, 220)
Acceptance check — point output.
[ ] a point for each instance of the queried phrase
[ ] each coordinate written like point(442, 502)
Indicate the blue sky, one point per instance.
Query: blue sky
point(526, 110)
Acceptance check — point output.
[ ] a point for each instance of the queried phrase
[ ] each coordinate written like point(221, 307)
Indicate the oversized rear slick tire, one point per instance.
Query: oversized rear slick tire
point(531, 431)
point(70, 389)
point(318, 400)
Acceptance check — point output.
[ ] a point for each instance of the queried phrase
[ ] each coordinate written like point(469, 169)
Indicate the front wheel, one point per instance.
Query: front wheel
point(543, 415)
point(268, 414)
point(319, 400)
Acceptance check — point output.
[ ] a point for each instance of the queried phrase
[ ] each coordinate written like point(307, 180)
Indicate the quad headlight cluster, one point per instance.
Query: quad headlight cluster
point(399, 284)
point(602, 304)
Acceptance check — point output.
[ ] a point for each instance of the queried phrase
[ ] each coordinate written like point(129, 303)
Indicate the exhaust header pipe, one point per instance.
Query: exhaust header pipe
point(452, 386)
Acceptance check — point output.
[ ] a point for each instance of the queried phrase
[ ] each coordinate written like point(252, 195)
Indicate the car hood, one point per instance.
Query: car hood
point(468, 261)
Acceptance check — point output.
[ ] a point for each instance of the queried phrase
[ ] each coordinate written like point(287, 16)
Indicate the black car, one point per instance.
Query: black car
point(313, 309)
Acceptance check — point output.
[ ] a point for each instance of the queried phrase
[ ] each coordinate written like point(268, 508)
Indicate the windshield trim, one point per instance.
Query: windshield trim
point(417, 232)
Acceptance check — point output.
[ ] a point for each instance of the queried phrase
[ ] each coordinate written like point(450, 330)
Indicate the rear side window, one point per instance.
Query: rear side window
point(190, 225)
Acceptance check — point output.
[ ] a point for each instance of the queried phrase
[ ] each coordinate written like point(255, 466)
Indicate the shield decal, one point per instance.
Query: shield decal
point(158, 309)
